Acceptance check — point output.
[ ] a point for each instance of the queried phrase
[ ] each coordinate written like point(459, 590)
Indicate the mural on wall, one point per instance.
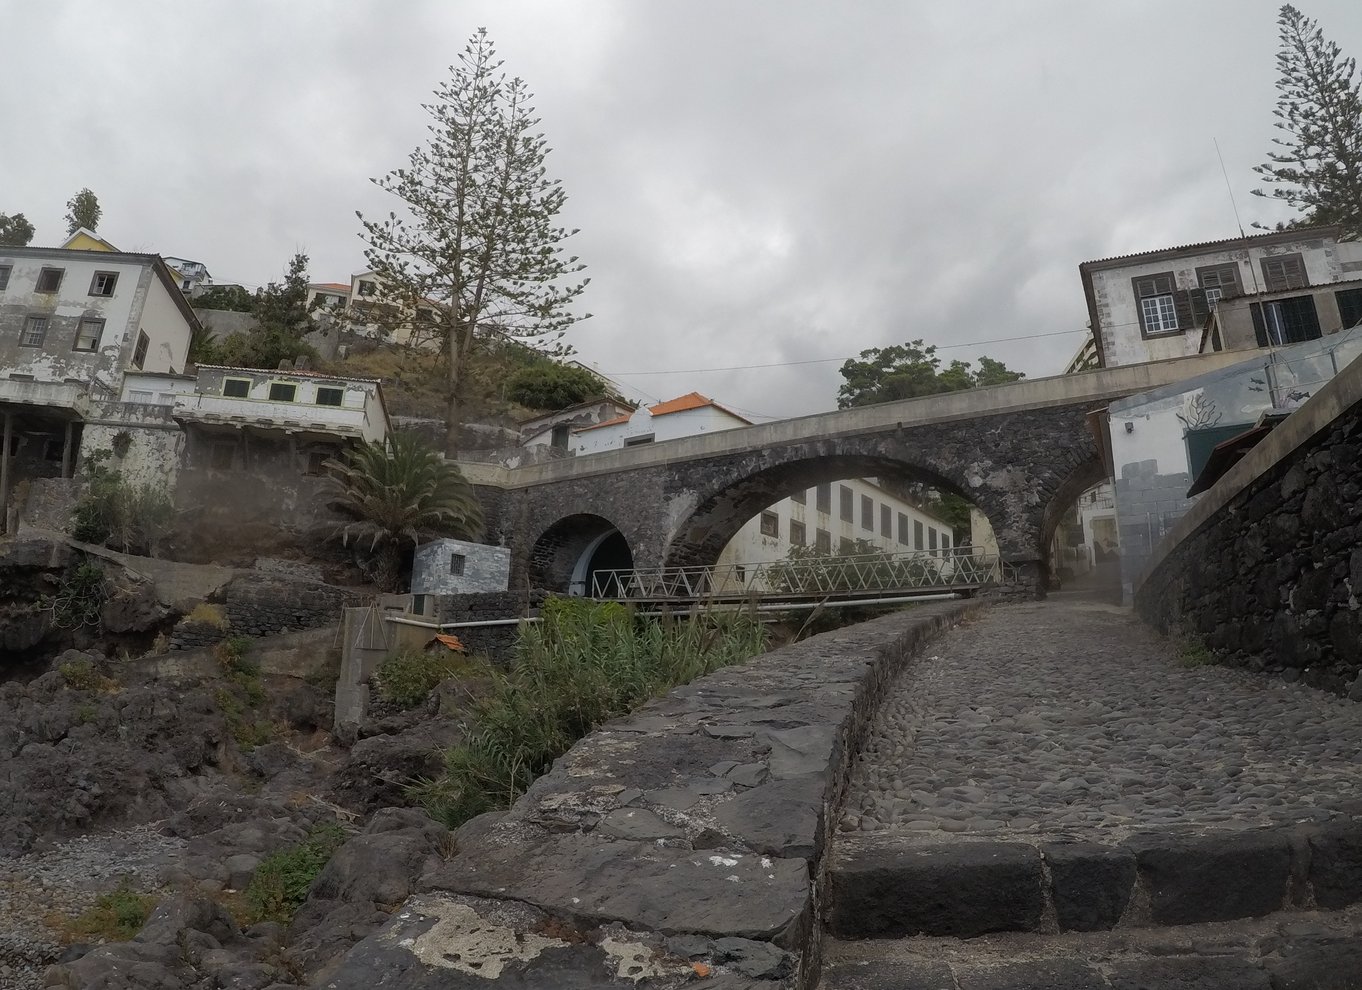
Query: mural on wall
point(1199, 412)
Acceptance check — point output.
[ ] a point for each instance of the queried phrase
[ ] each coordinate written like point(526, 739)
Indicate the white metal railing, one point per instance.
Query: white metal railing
point(821, 576)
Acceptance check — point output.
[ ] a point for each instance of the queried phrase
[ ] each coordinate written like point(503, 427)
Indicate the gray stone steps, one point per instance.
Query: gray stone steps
point(1285, 951)
point(890, 886)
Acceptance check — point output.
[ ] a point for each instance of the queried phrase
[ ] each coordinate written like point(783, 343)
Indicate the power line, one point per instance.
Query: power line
point(790, 364)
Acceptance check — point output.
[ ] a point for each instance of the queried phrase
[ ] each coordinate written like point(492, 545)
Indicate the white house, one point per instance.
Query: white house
point(1155, 304)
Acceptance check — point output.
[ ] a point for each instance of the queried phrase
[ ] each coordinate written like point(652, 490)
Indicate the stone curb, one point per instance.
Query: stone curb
point(696, 826)
point(885, 888)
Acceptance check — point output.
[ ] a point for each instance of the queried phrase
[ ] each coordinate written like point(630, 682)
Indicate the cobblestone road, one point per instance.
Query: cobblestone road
point(1073, 718)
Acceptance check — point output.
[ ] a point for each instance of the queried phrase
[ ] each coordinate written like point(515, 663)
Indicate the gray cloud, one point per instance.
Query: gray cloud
point(756, 183)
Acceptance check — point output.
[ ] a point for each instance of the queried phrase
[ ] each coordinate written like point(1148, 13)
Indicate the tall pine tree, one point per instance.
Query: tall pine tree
point(477, 253)
point(1317, 167)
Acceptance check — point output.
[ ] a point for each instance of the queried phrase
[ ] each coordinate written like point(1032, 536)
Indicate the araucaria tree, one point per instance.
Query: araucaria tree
point(1318, 165)
point(82, 210)
point(478, 251)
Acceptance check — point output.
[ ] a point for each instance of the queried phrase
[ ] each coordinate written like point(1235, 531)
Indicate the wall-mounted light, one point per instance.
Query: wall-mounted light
point(1130, 427)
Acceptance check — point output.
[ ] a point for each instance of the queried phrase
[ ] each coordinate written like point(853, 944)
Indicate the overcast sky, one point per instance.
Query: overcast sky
point(779, 183)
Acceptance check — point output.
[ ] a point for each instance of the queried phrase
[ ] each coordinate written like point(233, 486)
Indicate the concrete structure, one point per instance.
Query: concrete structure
point(1288, 316)
point(456, 567)
point(72, 322)
point(555, 429)
point(1154, 305)
point(1160, 439)
point(1021, 452)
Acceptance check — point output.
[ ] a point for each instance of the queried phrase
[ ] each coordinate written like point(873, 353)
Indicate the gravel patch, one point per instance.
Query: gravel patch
point(65, 881)
point(1074, 719)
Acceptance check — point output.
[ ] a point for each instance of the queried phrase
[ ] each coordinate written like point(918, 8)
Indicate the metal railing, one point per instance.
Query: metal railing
point(821, 577)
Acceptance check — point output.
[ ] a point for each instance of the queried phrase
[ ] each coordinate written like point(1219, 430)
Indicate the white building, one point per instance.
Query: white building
point(1155, 304)
point(193, 276)
point(834, 517)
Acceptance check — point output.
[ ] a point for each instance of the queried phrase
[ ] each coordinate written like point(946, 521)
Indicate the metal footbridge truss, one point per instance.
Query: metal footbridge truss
point(812, 579)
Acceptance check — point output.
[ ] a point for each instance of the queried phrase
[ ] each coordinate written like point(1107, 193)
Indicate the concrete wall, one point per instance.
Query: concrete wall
point(165, 326)
point(154, 441)
point(479, 568)
point(360, 414)
point(1265, 568)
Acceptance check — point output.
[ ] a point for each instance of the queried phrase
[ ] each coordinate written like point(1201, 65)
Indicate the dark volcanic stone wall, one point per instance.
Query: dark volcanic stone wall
point(495, 642)
point(1271, 581)
point(262, 605)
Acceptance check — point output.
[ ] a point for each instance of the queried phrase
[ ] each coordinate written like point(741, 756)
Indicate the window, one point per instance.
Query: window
point(139, 353)
point(917, 535)
point(931, 539)
point(139, 395)
point(236, 388)
point(1218, 281)
point(797, 535)
point(4, 276)
point(770, 524)
point(822, 541)
point(886, 521)
point(800, 497)
point(740, 573)
point(1154, 295)
point(559, 436)
point(456, 562)
point(222, 456)
point(639, 441)
point(823, 498)
point(87, 335)
point(848, 501)
point(903, 529)
point(330, 396)
point(367, 288)
point(1285, 271)
point(1285, 321)
point(35, 330)
point(49, 280)
point(867, 513)
point(1349, 307)
point(945, 541)
point(103, 283)
point(845, 547)
point(283, 391)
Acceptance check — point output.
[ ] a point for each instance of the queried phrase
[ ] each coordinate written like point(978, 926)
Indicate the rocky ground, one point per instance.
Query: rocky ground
point(111, 782)
point(1075, 719)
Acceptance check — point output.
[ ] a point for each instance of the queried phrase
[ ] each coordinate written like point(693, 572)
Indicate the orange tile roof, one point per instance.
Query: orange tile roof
point(609, 422)
point(683, 403)
point(332, 286)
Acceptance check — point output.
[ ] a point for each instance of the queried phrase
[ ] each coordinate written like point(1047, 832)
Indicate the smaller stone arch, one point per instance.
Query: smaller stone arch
point(567, 555)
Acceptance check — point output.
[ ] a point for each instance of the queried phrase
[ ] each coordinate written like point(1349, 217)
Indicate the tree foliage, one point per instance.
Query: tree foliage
point(1317, 164)
point(15, 230)
point(478, 252)
point(281, 320)
point(397, 495)
point(553, 386)
point(225, 298)
point(905, 371)
point(82, 210)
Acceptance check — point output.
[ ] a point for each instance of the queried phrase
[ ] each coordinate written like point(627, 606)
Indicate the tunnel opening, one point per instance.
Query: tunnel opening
point(572, 555)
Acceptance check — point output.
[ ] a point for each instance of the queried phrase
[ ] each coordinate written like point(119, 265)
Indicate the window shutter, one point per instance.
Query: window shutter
point(1200, 309)
point(1182, 301)
point(1259, 327)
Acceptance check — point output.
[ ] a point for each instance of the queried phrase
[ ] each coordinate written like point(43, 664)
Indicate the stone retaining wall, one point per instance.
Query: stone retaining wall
point(684, 843)
point(265, 604)
point(1266, 569)
point(495, 642)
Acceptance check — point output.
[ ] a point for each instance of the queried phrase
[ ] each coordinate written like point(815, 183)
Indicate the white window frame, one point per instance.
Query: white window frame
point(94, 341)
point(38, 323)
point(1162, 317)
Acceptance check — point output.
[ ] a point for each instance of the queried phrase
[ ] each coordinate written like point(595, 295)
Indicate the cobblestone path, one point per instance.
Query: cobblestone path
point(1073, 719)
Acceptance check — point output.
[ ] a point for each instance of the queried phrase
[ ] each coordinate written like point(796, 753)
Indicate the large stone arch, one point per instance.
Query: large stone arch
point(564, 555)
point(1086, 474)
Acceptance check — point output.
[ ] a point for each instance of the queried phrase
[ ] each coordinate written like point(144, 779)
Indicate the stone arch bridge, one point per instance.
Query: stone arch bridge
point(1020, 452)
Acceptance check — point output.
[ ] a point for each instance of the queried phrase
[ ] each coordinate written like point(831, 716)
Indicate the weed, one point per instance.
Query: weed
point(406, 679)
point(1194, 653)
point(83, 675)
point(281, 881)
point(86, 713)
point(79, 598)
point(208, 615)
point(244, 694)
point(583, 664)
point(115, 917)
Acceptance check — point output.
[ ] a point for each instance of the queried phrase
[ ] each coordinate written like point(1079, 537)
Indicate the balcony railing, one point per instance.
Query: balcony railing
point(263, 413)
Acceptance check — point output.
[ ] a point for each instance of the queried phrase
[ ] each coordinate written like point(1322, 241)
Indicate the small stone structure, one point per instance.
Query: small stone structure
point(262, 605)
point(456, 567)
point(1266, 568)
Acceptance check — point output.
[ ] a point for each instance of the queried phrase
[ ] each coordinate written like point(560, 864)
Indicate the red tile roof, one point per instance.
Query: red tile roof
point(683, 403)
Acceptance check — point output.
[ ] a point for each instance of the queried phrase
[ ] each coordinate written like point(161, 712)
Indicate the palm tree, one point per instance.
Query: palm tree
point(397, 495)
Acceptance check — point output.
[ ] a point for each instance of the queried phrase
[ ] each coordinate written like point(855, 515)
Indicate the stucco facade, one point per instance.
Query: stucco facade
point(1154, 305)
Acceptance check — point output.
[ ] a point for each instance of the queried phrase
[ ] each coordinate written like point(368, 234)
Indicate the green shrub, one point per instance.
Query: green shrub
point(115, 917)
point(79, 598)
point(406, 680)
point(583, 664)
point(116, 513)
point(83, 675)
point(280, 883)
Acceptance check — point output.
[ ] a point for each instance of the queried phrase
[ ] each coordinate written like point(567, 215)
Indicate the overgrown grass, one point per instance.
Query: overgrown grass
point(281, 881)
point(208, 614)
point(244, 695)
point(406, 680)
point(84, 675)
point(115, 917)
point(583, 664)
point(1192, 652)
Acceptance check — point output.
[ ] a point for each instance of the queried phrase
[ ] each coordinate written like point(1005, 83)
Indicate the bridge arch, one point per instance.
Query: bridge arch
point(566, 556)
point(720, 512)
